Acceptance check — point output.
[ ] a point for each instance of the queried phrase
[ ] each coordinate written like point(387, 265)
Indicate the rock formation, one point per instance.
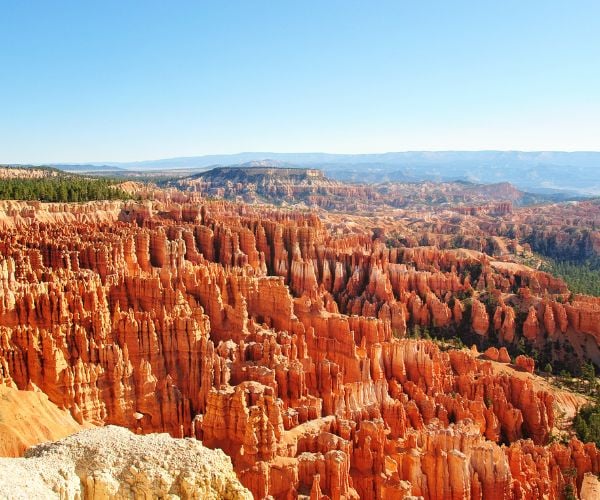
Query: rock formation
point(279, 337)
point(111, 462)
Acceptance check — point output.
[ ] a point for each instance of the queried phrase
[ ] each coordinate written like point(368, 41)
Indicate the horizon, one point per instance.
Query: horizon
point(144, 80)
point(325, 153)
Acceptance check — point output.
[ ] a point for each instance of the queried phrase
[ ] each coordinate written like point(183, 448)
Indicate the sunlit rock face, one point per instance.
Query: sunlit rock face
point(280, 337)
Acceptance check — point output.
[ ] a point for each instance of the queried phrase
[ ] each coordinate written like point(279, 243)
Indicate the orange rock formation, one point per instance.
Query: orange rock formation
point(273, 336)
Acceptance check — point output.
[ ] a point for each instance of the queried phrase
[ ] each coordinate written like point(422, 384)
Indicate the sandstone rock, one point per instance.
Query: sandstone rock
point(590, 487)
point(492, 353)
point(503, 356)
point(525, 363)
point(28, 417)
point(531, 326)
point(479, 318)
point(278, 336)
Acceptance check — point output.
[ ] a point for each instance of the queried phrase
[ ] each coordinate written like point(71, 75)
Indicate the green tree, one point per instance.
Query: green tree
point(416, 331)
point(587, 423)
point(61, 188)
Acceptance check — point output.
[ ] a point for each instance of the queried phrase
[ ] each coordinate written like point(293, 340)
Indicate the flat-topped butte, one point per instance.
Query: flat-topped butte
point(237, 173)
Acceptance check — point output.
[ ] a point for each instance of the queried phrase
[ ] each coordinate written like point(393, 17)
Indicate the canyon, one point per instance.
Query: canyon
point(286, 337)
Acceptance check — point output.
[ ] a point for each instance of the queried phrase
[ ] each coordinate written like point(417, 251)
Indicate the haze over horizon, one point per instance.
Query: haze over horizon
point(264, 155)
point(566, 172)
point(115, 83)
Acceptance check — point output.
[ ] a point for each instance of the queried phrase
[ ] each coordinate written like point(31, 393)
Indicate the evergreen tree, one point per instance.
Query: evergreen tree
point(64, 188)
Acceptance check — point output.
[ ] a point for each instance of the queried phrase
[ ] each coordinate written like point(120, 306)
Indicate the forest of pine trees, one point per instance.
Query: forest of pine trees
point(587, 423)
point(581, 277)
point(61, 189)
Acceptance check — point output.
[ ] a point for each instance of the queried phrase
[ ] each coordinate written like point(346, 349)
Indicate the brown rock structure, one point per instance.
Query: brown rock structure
point(525, 363)
point(503, 356)
point(279, 337)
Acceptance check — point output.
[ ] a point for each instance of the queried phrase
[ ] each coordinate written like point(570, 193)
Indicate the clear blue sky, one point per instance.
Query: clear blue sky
point(124, 80)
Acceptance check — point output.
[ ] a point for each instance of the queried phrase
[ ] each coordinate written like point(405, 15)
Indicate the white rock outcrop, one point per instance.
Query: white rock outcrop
point(112, 462)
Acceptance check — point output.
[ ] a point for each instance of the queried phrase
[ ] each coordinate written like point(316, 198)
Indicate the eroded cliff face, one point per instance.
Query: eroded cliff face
point(279, 338)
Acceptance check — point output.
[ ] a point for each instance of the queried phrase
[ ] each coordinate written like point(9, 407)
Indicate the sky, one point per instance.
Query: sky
point(126, 80)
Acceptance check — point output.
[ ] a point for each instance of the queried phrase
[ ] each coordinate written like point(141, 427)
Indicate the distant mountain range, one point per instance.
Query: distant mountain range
point(540, 171)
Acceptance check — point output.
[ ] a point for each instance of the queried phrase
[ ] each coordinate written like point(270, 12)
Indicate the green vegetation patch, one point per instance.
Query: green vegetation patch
point(587, 423)
point(61, 189)
point(581, 277)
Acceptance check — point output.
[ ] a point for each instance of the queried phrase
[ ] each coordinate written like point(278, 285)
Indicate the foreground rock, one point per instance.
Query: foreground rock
point(112, 462)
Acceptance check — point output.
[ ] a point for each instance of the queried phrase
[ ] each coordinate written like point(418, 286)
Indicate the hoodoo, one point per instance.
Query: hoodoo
point(292, 347)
